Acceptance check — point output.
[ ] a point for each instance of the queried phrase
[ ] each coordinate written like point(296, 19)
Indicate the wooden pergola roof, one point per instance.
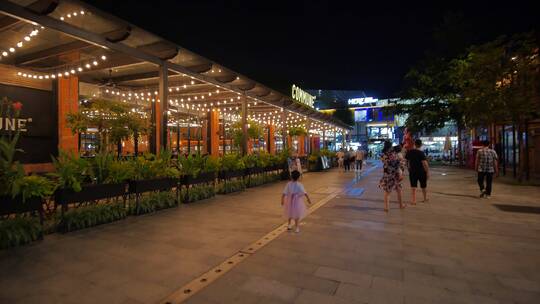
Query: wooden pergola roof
point(133, 57)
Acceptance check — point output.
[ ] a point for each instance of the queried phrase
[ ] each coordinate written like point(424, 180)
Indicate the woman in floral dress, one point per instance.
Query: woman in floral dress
point(392, 175)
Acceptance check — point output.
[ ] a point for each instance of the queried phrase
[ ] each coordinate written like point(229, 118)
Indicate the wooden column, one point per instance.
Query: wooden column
point(308, 126)
point(284, 134)
point(301, 145)
point(205, 138)
point(271, 140)
point(214, 133)
point(162, 108)
point(289, 141)
point(68, 102)
point(244, 125)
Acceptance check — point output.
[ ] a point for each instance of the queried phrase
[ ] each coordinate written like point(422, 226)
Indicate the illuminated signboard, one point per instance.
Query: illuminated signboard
point(302, 96)
point(362, 101)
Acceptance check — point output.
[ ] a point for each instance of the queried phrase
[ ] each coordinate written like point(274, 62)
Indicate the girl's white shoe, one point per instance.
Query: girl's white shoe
point(297, 230)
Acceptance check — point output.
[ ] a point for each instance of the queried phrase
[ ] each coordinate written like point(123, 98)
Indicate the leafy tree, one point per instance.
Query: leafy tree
point(254, 131)
point(115, 121)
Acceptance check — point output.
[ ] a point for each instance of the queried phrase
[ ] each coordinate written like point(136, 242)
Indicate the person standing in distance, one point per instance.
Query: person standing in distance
point(486, 165)
point(358, 159)
point(418, 170)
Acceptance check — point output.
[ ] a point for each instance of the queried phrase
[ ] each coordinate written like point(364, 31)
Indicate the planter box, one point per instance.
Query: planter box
point(231, 174)
point(314, 166)
point(254, 170)
point(9, 205)
point(273, 168)
point(199, 179)
point(157, 184)
point(89, 193)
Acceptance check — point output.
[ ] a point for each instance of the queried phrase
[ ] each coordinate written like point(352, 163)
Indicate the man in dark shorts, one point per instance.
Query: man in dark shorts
point(418, 170)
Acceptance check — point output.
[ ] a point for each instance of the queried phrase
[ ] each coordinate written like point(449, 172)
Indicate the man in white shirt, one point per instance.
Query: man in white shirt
point(359, 159)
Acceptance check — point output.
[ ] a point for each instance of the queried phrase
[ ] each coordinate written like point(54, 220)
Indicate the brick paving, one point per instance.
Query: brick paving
point(454, 249)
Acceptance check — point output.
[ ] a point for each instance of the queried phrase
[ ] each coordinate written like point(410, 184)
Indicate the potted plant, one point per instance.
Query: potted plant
point(89, 180)
point(18, 193)
point(314, 162)
point(231, 166)
point(198, 169)
point(152, 173)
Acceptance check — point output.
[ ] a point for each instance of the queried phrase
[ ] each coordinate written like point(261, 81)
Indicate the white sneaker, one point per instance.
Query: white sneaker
point(289, 228)
point(297, 230)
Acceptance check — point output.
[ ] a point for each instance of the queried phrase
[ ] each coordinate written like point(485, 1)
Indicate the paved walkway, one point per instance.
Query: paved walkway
point(144, 259)
point(454, 249)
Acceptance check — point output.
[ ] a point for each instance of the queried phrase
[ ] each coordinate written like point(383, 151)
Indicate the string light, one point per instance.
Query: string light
point(66, 73)
point(20, 44)
point(73, 14)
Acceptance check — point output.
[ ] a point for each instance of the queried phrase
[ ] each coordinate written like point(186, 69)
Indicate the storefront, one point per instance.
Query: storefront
point(89, 82)
point(372, 124)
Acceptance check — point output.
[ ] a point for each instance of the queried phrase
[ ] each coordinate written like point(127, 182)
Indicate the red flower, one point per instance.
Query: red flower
point(17, 105)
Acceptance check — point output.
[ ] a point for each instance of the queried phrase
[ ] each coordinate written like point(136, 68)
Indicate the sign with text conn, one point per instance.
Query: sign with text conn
point(302, 96)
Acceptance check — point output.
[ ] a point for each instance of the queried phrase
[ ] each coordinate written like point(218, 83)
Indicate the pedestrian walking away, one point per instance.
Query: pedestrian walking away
point(295, 164)
point(358, 159)
point(486, 164)
point(391, 179)
point(418, 170)
point(351, 159)
point(292, 201)
point(341, 158)
point(347, 160)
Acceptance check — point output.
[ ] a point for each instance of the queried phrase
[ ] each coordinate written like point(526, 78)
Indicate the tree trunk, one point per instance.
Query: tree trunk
point(136, 143)
point(520, 150)
point(514, 173)
point(459, 147)
point(119, 148)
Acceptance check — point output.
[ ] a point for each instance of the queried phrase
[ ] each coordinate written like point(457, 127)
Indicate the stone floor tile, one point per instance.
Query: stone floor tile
point(270, 288)
point(310, 297)
point(344, 276)
point(519, 283)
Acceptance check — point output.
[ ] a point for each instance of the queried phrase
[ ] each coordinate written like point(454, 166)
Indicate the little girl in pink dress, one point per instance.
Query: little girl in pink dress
point(292, 201)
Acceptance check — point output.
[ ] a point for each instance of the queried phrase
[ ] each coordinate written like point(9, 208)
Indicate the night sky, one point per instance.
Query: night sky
point(319, 44)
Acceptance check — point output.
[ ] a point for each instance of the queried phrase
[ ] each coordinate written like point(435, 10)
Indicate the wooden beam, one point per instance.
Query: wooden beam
point(42, 7)
point(51, 52)
point(247, 87)
point(139, 76)
point(201, 68)
point(226, 79)
point(20, 12)
point(17, 11)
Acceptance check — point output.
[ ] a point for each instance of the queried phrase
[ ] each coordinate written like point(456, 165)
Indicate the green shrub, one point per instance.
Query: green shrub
point(233, 185)
point(272, 177)
point(71, 171)
point(155, 201)
point(119, 171)
point(197, 193)
point(250, 160)
point(19, 231)
point(255, 180)
point(231, 162)
point(33, 186)
point(92, 215)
